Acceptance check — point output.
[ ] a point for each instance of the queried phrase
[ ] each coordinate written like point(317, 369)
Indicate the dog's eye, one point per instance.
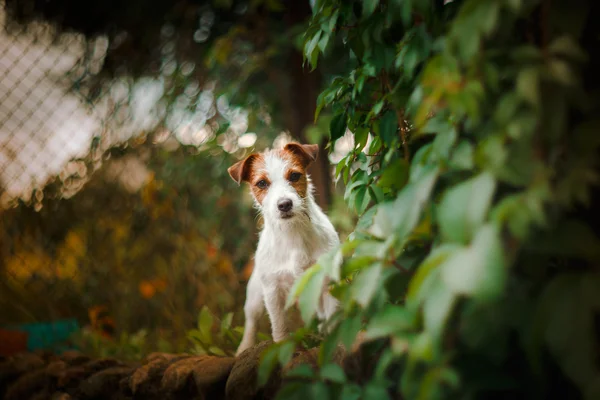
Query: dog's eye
point(262, 184)
point(294, 176)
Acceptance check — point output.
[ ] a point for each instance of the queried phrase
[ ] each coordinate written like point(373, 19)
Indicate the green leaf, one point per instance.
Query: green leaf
point(443, 142)
point(362, 199)
point(401, 216)
point(308, 300)
point(351, 392)
point(388, 127)
point(478, 270)
point(286, 351)
point(318, 390)
point(205, 323)
point(462, 157)
point(366, 220)
point(301, 284)
point(295, 391)
point(390, 320)
point(304, 371)
point(566, 46)
point(437, 306)
point(377, 107)
point(268, 362)
point(333, 373)
point(226, 322)
point(464, 208)
point(422, 347)
point(528, 85)
point(395, 175)
point(337, 128)
point(562, 72)
point(348, 330)
point(374, 391)
point(423, 278)
point(323, 41)
point(216, 351)
point(369, 7)
point(311, 50)
point(366, 284)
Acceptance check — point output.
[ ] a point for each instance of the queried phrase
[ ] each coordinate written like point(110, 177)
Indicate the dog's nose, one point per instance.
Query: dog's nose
point(284, 205)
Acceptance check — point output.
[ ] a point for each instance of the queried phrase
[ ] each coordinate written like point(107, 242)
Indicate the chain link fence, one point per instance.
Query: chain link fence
point(110, 211)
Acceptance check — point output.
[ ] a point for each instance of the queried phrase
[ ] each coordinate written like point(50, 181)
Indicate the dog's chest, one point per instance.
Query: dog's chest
point(286, 254)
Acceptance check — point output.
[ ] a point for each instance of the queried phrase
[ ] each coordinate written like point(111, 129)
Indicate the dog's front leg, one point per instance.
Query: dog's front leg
point(275, 303)
point(254, 308)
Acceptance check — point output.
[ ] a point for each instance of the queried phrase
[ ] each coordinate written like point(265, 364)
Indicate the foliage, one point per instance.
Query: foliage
point(473, 265)
point(165, 249)
point(216, 337)
point(126, 346)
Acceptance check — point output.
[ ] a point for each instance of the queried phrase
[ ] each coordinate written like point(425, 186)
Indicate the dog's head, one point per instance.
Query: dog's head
point(278, 179)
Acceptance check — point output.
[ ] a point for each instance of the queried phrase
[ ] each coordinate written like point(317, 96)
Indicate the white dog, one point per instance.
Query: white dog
point(296, 233)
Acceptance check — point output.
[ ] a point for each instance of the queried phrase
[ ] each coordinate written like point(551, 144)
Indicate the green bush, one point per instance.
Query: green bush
point(473, 266)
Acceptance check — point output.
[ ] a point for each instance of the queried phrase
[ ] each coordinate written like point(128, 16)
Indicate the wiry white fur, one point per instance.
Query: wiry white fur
point(286, 248)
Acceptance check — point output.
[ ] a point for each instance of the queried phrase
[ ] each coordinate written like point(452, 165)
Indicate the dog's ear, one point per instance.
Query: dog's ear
point(240, 171)
point(307, 152)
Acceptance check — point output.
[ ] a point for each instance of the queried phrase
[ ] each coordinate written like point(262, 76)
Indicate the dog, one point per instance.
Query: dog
point(295, 234)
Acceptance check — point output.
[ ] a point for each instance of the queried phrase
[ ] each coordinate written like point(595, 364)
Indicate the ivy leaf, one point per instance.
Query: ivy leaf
point(464, 207)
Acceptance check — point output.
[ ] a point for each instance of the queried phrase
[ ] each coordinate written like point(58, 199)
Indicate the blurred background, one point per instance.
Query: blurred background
point(120, 229)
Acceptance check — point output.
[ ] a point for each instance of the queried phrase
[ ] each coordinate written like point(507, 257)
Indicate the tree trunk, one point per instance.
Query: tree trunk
point(300, 105)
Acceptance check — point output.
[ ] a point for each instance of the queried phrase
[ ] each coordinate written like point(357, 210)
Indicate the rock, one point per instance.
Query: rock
point(242, 381)
point(105, 384)
point(145, 382)
point(211, 375)
point(74, 358)
point(15, 366)
point(36, 383)
point(200, 377)
point(178, 376)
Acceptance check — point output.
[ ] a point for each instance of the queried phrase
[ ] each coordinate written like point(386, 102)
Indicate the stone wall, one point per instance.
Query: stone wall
point(160, 376)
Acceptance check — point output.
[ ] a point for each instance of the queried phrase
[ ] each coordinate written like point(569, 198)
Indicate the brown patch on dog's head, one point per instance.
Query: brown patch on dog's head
point(299, 157)
point(252, 169)
point(241, 170)
point(303, 154)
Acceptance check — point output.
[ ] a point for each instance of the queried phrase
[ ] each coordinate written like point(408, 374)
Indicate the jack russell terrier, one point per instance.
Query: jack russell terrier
point(296, 233)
